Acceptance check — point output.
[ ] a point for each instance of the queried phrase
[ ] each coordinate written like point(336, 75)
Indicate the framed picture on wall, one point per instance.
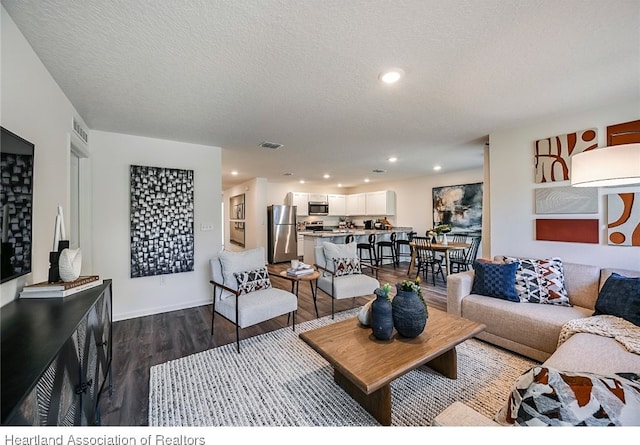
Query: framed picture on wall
point(236, 220)
point(460, 206)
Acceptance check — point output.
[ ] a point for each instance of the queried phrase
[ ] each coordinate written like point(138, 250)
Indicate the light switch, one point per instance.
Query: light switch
point(206, 227)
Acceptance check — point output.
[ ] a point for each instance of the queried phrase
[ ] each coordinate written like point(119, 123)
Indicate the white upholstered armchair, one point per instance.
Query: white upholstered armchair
point(242, 290)
point(341, 273)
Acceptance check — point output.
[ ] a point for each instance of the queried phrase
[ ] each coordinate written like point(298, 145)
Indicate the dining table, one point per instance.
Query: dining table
point(437, 247)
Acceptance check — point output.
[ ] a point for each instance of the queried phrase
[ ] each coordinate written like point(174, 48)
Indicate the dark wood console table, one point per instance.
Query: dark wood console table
point(56, 358)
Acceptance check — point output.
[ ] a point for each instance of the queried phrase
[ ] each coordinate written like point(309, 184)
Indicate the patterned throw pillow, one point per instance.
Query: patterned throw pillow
point(495, 280)
point(253, 280)
point(346, 266)
point(540, 281)
point(620, 296)
point(546, 396)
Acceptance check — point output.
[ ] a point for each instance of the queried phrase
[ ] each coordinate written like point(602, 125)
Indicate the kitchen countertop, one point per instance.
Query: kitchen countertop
point(345, 232)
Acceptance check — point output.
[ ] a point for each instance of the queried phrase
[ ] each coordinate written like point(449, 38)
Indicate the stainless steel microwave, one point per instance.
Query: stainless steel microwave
point(318, 208)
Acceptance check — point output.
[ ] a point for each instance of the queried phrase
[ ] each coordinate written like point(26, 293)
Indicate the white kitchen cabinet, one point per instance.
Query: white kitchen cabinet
point(317, 197)
point(301, 201)
point(300, 245)
point(337, 205)
point(382, 203)
point(356, 204)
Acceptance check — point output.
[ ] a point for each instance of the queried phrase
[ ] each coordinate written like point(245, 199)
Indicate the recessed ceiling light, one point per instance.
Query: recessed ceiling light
point(391, 76)
point(393, 159)
point(234, 173)
point(326, 176)
point(437, 167)
point(302, 181)
point(339, 185)
point(366, 179)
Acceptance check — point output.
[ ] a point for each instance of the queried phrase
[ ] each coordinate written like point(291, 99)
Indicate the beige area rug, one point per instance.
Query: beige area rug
point(278, 380)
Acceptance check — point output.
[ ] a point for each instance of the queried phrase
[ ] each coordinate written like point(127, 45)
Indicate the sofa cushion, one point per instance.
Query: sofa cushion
point(346, 266)
point(540, 280)
point(253, 280)
point(495, 280)
point(547, 396)
point(534, 325)
point(593, 353)
point(620, 296)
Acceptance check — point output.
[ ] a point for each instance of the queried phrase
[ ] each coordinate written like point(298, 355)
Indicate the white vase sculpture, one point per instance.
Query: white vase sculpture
point(69, 264)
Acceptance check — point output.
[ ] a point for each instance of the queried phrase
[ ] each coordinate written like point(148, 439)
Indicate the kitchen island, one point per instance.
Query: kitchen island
point(337, 236)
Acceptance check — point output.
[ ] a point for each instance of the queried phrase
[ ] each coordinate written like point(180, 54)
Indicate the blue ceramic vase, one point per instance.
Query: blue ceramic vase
point(409, 313)
point(381, 316)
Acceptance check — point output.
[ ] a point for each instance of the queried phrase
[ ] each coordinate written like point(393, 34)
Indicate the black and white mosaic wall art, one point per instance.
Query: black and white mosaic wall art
point(162, 221)
point(16, 210)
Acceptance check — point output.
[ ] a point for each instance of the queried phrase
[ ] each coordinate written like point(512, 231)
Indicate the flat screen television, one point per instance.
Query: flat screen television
point(16, 205)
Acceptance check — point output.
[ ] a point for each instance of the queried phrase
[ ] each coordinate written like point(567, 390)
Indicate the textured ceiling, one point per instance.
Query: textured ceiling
point(303, 73)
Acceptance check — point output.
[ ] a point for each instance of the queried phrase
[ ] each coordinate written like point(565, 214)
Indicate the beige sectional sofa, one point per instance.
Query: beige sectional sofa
point(533, 330)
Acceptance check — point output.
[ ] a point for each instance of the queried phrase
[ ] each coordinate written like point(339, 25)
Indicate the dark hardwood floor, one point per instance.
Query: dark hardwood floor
point(143, 342)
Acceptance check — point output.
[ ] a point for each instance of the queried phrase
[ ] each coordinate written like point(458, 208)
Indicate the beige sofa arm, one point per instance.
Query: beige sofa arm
point(459, 414)
point(458, 286)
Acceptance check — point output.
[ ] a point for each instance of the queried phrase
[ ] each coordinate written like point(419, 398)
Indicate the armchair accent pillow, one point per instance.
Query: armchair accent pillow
point(620, 296)
point(547, 396)
point(336, 251)
point(253, 280)
point(540, 281)
point(346, 266)
point(495, 280)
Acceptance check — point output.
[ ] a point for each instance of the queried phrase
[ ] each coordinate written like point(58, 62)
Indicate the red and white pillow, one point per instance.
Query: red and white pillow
point(540, 280)
point(253, 280)
point(346, 266)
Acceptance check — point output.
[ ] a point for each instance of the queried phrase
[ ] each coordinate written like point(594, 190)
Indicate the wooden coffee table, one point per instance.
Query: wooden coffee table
point(364, 366)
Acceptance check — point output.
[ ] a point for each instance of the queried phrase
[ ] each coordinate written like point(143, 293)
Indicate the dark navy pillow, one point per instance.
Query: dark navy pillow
point(495, 280)
point(620, 296)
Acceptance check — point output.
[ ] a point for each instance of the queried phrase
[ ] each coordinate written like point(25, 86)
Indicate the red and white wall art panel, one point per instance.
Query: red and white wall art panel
point(623, 224)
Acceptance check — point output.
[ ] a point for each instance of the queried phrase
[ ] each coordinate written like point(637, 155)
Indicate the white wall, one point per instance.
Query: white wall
point(34, 107)
point(112, 155)
point(512, 191)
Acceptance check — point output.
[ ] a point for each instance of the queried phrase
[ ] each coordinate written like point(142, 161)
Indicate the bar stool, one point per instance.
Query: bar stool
point(370, 248)
point(404, 242)
point(348, 239)
point(389, 244)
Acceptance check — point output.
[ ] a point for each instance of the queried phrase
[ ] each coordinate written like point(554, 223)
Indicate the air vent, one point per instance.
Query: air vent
point(377, 170)
point(271, 145)
point(287, 174)
point(81, 132)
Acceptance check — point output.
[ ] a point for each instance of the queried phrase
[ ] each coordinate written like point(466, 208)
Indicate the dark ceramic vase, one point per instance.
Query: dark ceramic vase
point(409, 314)
point(381, 317)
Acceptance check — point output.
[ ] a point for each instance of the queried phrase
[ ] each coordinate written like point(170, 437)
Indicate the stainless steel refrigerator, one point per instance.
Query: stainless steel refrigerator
point(282, 235)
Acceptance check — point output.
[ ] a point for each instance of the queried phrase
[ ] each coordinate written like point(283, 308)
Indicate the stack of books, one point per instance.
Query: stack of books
point(302, 269)
point(60, 289)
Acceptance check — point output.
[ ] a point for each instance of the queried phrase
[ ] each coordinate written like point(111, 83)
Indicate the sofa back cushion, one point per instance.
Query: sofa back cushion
point(581, 282)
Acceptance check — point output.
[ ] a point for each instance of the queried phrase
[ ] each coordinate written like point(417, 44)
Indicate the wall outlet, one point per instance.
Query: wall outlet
point(206, 227)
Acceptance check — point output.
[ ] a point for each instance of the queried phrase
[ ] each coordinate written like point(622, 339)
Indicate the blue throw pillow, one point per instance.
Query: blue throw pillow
point(495, 280)
point(620, 296)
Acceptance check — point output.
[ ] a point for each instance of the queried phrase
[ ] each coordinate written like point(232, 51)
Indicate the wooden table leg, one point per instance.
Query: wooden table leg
point(446, 364)
point(378, 403)
point(412, 261)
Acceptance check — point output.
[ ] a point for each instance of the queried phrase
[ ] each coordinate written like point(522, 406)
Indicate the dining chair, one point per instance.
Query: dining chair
point(458, 254)
point(466, 261)
point(427, 259)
